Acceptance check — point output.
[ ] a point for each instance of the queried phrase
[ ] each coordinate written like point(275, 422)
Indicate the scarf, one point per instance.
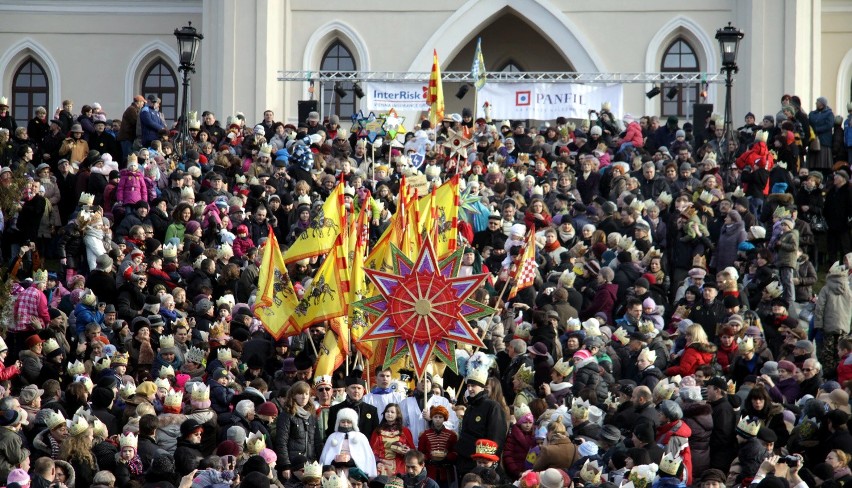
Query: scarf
point(135, 466)
point(381, 391)
point(169, 314)
point(346, 430)
point(54, 447)
point(566, 236)
point(302, 413)
point(553, 245)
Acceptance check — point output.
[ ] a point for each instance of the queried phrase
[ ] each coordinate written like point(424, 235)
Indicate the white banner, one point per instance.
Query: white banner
point(546, 101)
point(381, 97)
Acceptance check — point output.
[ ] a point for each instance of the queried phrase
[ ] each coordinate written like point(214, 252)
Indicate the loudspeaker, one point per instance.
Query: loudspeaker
point(700, 112)
point(305, 108)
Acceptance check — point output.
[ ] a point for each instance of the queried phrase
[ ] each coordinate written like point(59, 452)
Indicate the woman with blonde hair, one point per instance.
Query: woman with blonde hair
point(297, 430)
point(558, 451)
point(698, 352)
point(76, 449)
point(839, 460)
point(494, 390)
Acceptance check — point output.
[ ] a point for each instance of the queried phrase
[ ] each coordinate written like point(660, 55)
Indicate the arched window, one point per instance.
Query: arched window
point(338, 58)
point(511, 67)
point(680, 57)
point(29, 90)
point(160, 80)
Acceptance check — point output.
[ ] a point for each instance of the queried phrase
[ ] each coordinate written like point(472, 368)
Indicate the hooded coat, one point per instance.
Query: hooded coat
point(833, 310)
point(699, 418)
point(694, 355)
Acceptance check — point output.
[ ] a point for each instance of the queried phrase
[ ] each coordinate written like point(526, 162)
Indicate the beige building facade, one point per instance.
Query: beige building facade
point(108, 51)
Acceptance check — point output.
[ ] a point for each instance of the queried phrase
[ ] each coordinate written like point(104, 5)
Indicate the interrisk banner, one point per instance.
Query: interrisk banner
point(545, 101)
point(382, 97)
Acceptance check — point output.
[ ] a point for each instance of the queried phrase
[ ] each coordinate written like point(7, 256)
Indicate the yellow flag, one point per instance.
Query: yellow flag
point(435, 96)
point(325, 227)
point(445, 217)
point(358, 282)
point(326, 296)
point(329, 355)
point(380, 256)
point(276, 299)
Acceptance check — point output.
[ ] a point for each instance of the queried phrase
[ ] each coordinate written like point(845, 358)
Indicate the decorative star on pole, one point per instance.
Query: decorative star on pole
point(423, 307)
point(394, 123)
point(457, 143)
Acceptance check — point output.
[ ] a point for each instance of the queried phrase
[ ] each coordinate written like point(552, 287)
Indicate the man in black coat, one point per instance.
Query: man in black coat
point(483, 419)
point(723, 441)
point(368, 416)
point(643, 404)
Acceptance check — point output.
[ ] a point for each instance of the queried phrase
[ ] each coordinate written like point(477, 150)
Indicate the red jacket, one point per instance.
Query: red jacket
point(515, 450)
point(432, 440)
point(633, 134)
point(758, 151)
point(844, 369)
point(694, 355)
point(725, 356)
point(242, 245)
point(604, 301)
point(678, 428)
point(377, 442)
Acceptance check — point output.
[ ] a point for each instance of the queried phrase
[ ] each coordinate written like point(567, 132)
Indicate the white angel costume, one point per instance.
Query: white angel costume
point(353, 445)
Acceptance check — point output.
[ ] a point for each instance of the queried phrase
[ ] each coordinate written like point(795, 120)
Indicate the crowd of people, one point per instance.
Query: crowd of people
point(677, 332)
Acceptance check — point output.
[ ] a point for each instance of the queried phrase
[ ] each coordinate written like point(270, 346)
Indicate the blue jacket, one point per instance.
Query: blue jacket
point(220, 397)
point(85, 315)
point(847, 131)
point(822, 122)
point(151, 123)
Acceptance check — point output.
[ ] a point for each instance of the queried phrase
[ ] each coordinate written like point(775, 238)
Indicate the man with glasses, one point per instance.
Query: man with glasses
point(811, 377)
point(493, 237)
point(322, 386)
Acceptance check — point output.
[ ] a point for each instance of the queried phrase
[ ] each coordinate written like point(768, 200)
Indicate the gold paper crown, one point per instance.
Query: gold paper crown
point(573, 325)
point(494, 168)
point(266, 149)
point(4, 101)
point(591, 472)
point(40, 276)
point(192, 120)
point(670, 464)
point(226, 299)
point(781, 212)
point(303, 200)
point(580, 249)
point(738, 192)
point(648, 355)
point(580, 409)
point(774, 289)
point(78, 425)
point(313, 470)
point(201, 393)
point(525, 374)
point(120, 358)
point(523, 330)
point(333, 481)
point(224, 354)
point(666, 198)
point(162, 383)
point(170, 251)
point(195, 355)
point(101, 364)
point(637, 205)
point(187, 192)
point(747, 427)
point(224, 250)
point(746, 344)
point(522, 410)
point(54, 419)
point(647, 327)
point(625, 243)
point(87, 199)
point(478, 374)
point(49, 346)
point(592, 327)
point(664, 389)
point(167, 341)
point(621, 335)
point(173, 398)
point(128, 440)
point(217, 331)
point(706, 197)
point(87, 382)
point(563, 367)
point(76, 368)
point(732, 387)
point(255, 443)
point(127, 390)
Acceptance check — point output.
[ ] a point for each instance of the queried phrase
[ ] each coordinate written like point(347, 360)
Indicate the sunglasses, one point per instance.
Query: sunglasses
point(324, 389)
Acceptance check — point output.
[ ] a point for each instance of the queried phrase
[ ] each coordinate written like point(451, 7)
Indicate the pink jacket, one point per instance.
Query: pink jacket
point(131, 187)
point(633, 134)
point(241, 246)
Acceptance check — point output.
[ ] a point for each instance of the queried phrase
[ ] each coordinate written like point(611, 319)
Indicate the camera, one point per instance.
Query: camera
point(791, 461)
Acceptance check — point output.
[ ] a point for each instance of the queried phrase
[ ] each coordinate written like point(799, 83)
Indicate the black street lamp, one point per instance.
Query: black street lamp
point(729, 42)
point(188, 40)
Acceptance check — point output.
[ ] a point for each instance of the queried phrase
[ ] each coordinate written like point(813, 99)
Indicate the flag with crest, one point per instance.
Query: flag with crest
point(325, 226)
point(524, 266)
point(477, 71)
point(276, 299)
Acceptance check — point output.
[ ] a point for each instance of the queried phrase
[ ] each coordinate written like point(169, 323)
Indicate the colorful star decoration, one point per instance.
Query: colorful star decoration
point(423, 307)
point(394, 123)
point(458, 144)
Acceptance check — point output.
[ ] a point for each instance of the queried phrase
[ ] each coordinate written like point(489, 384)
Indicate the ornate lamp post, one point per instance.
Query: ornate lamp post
point(729, 42)
point(188, 42)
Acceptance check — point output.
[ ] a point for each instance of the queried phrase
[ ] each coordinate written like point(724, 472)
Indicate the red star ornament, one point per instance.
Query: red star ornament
point(424, 307)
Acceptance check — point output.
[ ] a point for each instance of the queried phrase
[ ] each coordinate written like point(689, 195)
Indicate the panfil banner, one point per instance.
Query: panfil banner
point(382, 97)
point(545, 101)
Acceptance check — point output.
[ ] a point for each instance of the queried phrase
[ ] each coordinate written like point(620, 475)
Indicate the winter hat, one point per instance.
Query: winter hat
point(588, 448)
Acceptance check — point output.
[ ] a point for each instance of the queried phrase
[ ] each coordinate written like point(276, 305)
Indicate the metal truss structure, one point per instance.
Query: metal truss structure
point(668, 78)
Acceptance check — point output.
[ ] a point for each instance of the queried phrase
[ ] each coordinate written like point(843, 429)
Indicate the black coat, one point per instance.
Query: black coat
point(838, 207)
point(483, 419)
point(723, 441)
point(130, 301)
point(368, 416)
point(103, 284)
point(187, 457)
point(295, 436)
